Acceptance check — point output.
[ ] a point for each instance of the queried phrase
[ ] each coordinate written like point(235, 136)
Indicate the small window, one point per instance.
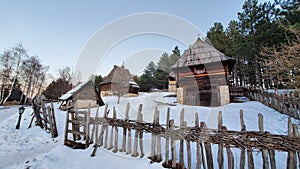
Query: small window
point(200, 71)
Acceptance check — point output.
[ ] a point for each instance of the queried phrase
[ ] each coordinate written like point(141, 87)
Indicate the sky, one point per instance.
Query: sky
point(59, 31)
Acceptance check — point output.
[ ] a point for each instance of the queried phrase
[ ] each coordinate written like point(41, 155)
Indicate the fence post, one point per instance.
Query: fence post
point(136, 137)
point(50, 121)
point(181, 157)
point(229, 154)
point(291, 159)
point(220, 145)
point(116, 131)
point(95, 129)
point(158, 141)
point(272, 158)
point(243, 128)
point(264, 151)
point(123, 149)
point(173, 147)
point(166, 164)
point(188, 145)
point(99, 140)
point(128, 151)
point(296, 134)
point(210, 163)
point(67, 124)
point(45, 118)
point(111, 136)
point(249, 151)
point(250, 157)
point(103, 127)
point(140, 119)
point(54, 120)
point(87, 127)
point(198, 150)
point(153, 137)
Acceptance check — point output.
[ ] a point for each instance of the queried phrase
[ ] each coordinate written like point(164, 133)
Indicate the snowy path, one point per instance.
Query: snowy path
point(17, 146)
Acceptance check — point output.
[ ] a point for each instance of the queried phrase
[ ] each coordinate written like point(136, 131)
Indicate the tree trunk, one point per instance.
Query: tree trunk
point(119, 97)
point(11, 89)
point(2, 94)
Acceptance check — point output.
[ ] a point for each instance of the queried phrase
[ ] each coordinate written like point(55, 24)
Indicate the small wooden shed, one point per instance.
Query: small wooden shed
point(172, 85)
point(83, 95)
point(16, 95)
point(203, 75)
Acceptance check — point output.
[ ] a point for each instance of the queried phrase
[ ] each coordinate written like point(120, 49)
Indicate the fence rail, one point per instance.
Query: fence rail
point(282, 103)
point(202, 138)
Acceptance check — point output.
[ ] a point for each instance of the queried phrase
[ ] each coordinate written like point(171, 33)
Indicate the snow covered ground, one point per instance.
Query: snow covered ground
point(34, 148)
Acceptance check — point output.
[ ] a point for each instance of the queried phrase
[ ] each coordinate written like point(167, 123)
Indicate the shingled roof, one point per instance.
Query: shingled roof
point(200, 53)
point(116, 74)
point(76, 89)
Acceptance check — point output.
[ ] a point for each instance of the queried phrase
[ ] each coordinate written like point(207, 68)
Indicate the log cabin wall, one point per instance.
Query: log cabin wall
point(200, 73)
point(200, 88)
point(106, 89)
point(87, 92)
point(85, 96)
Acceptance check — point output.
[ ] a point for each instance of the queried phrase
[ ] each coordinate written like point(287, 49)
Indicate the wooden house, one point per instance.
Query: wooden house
point(202, 75)
point(83, 95)
point(133, 87)
point(118, 82)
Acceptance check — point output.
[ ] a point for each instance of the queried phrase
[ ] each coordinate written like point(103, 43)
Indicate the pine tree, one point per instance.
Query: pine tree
point(147, 79)
point(217, 37)
point(57, 88)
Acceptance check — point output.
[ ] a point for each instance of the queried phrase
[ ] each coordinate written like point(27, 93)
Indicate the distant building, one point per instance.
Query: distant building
point(202, 76)
point(118, 81)
point(172, 82)
point(133, 87)
point(83, 95)
point(16, 95)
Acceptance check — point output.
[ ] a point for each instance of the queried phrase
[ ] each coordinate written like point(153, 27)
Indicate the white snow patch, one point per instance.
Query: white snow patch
point(34, 148)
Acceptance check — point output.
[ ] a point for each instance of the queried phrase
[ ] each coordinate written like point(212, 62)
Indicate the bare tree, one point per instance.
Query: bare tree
point(33, 74)
point(65, 73)
point(6, 69)
point(11, 61)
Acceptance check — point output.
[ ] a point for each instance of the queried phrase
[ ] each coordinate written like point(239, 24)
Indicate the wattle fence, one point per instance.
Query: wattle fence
point(282, 103)
point(45, 117)
point(181, 146)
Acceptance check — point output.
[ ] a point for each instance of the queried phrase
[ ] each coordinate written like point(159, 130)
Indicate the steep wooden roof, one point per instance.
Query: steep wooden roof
point(200, 53)
point(76, 89)
point(116, 74)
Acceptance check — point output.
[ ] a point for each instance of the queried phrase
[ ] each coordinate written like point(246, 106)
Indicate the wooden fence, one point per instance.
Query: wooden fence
point(282, 103)
point(45, 117)
point(199, 136)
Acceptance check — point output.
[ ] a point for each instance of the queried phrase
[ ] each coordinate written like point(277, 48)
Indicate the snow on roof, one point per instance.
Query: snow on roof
point(133, 83)
point(72, 91)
